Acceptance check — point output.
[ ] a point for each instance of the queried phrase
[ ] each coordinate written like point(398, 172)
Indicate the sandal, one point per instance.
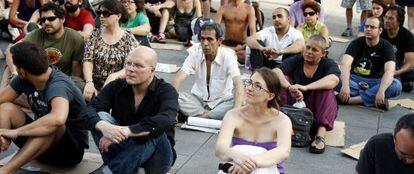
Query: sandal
point(313, 149)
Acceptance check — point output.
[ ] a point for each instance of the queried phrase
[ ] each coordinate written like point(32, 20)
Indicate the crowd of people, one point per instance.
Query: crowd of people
point(82, 68)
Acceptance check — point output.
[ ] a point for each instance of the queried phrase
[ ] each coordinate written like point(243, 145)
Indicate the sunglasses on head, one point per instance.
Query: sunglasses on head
point(308, 13)
point(50, 19)
point(105, 13)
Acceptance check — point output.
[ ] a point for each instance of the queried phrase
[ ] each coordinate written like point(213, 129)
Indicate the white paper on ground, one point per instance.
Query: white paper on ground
point(167, 46)
point(339, 39)
point(167, 68)
point(336, 137)
point(354, 150)
point(204, 122)
point(202, 129)
point(90, 162)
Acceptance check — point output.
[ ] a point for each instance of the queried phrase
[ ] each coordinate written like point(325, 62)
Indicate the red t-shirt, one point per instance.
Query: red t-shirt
point(77, 23)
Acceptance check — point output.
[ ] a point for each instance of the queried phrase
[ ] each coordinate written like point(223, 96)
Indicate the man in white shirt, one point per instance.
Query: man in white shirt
point(269, 45)
point(216, 74)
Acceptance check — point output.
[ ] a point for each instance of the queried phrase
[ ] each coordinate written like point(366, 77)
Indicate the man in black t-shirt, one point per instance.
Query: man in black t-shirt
point(387, 153)
point(402, 41)
point(54, 136)
point(368, 68)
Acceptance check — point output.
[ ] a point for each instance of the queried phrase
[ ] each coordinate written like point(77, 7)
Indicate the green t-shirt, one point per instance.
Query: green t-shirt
point(139, 19)
point(60, 52)
point(307, 32)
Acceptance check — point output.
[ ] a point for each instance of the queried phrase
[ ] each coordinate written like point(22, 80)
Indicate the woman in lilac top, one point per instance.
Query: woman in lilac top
point(257, 124)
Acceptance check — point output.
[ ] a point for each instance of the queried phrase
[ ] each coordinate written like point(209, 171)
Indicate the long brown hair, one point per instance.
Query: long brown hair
point(273, 85)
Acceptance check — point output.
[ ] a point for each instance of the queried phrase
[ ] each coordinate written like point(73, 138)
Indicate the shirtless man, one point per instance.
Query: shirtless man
point(237, 16)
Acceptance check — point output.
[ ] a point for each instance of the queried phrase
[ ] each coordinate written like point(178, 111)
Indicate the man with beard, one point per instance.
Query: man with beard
point(269, 45)
point(132, 119)
point(368, 67)
point(79, 19)
point(54, 136)
point(387, 153)
point(64, 46)
point(403, 42)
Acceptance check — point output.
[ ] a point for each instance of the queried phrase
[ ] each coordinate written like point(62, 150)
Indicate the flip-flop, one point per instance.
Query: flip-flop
point(313, 149)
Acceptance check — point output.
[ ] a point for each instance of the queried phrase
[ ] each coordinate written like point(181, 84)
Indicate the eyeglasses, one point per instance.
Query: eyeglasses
point(135, 66)
point(50, 19)
point(128, 1)
point(256, 86)
point(308, 13)
point(105, 13)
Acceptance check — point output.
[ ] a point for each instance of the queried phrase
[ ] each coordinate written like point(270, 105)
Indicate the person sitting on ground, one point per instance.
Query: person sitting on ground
point(20, 13)
point(64, 46)
point(257, 124)
point(158, 15)
point(217, 87)
point(379, 7)
point(368, 68)
point(296, 13)
point(34, 21)
point(389, 153)
point(410, 11)
point(237, 17)
point(311, 78)
point(272, 43)
point(138, 23)
point(182, 14)
point(54, 136)
point(312, 25)
point(106, 48)
point(131, 117)
point(403, 44)
point(79, 19)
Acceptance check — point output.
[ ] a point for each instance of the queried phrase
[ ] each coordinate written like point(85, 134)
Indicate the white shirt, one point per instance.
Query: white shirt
point(270, 38)
point(223, 69)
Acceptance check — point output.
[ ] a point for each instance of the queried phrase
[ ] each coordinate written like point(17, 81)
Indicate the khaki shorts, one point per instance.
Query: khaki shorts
point(364, 4)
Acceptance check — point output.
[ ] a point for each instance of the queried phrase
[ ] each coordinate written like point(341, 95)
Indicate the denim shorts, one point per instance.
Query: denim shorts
point(364, 4)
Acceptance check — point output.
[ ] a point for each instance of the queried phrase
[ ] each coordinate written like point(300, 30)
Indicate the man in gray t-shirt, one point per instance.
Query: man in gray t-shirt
point(54, 136)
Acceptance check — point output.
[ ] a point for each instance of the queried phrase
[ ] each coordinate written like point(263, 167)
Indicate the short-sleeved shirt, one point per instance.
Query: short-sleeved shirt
point(58, 85)
point(106, 58)
point(60, 52)
point(379, 157)
point(402, 43)
point(368, 61)
point(307, 32)
point(223, 69)
point(77, 23)
point(139, 19)
point(270, 38)
point(293, 67)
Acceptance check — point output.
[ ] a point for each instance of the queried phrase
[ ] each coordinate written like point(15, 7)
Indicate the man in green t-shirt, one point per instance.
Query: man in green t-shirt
point(64, 46)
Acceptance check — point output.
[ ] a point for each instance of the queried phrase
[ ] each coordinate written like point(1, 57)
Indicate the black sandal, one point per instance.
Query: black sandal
point(313, 149)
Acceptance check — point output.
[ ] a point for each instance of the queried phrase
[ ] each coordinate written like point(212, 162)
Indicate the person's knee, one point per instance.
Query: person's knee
point(8, 108)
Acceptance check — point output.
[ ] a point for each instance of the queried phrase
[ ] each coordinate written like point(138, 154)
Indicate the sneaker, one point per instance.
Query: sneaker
point(407, 86)
point(161, 38)
point(347, 32)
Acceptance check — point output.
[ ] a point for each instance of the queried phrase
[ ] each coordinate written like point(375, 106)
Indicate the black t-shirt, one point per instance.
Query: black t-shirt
point(293, 67)
point(58, 85)
point(402, 43)
point(369, 61)
point(379, 157)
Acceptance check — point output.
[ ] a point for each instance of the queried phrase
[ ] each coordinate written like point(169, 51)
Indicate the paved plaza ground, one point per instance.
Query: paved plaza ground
point(195, 150)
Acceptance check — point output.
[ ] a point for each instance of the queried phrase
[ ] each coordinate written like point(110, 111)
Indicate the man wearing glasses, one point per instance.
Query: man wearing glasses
point(386, 153)
point(368, 67)
point(132, 119)
point(403, 43)
point(64, 47)
point(218, 86)
point(269, 45)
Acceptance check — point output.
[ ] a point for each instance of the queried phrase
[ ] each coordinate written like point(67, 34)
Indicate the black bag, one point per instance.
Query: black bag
point(302, 119)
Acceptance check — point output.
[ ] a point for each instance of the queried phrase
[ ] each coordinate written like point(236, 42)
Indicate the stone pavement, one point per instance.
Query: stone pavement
point(195, 150)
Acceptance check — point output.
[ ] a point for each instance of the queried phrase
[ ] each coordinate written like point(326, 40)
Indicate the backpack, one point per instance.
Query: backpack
point(302, 120)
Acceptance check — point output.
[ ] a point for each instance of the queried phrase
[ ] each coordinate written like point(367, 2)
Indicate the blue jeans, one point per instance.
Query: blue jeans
point(155, 155)
point(368, 95)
